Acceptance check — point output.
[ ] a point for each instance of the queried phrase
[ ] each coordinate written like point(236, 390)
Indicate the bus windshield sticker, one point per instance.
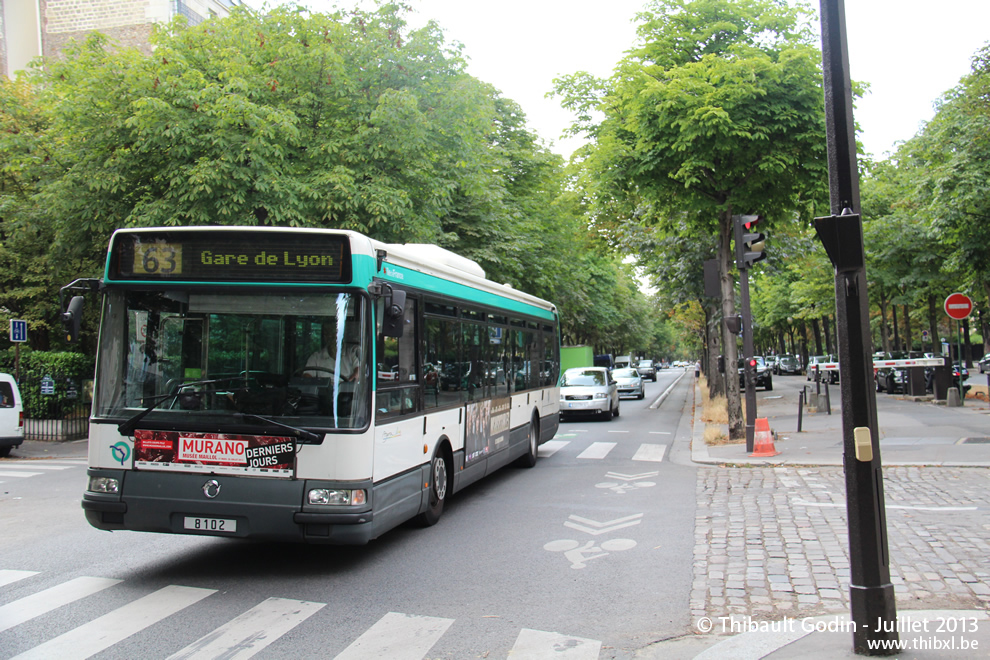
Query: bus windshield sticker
point(214, 452)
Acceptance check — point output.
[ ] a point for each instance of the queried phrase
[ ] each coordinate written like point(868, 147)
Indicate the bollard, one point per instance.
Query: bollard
point(828, 401)
point(800, 409)
point(952, 399)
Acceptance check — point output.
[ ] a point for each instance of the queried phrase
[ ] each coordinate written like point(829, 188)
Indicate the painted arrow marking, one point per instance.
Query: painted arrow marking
point(596, 528)
point(629, 477)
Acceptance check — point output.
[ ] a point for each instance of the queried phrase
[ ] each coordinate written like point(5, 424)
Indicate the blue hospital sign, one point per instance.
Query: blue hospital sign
point(18, 330)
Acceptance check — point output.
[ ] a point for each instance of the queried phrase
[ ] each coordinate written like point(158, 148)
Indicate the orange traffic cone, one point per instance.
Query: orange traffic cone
point(763, 440)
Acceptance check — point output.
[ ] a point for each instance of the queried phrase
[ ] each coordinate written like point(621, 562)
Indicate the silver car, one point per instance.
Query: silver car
point(588, 391)
point(630, 383)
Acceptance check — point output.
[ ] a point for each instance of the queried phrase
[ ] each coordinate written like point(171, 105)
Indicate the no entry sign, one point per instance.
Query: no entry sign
point(958, 306)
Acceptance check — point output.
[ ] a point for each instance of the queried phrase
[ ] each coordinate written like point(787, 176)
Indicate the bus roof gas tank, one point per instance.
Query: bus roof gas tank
point(430, 253)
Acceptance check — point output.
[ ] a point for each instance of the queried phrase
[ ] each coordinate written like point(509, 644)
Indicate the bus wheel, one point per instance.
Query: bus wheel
point(529, 458)
point(438, 489)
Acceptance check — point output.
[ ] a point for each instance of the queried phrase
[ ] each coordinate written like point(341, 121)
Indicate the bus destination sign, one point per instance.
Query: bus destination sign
point(224, 256)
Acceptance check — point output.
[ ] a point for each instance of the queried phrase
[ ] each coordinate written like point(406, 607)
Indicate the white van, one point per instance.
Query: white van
point(624, 362)
point(11, 415)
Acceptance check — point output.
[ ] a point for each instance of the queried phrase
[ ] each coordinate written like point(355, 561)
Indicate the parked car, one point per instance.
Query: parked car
point(826, 376)
point(890, 379)
point(588, 391)
point(11, 415)
point(787, 364)
point(764, 377)
point(984, 364)
point(629, 382)
point(647, 369)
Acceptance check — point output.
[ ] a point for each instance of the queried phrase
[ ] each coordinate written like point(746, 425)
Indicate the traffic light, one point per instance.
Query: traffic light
point(749, 242)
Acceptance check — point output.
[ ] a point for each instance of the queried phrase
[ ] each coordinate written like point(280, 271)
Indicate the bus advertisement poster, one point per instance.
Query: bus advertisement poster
point(194, 451)
point(487, 428)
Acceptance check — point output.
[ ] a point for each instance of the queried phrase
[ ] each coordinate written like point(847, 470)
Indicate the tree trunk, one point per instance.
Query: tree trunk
point(817, 330)
point(828, 335)
point(933, 325)
point(884, 335)
point(737, 430)
point(716, 380)
point(897, 334)
point(907, 328)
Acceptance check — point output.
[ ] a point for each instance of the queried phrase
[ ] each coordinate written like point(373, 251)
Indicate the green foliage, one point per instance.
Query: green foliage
point(343, 120)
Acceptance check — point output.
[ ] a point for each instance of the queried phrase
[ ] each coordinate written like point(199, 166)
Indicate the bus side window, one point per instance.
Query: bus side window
point(396, 371)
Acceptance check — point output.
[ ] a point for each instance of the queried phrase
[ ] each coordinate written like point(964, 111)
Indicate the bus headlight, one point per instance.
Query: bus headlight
point(104, 485)
point(337, 497)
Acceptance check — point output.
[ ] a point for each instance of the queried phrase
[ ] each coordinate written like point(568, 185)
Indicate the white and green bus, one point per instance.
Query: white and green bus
point(304, 385)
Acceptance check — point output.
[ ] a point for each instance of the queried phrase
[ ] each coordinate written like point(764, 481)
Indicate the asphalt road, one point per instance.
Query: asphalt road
point(587, 555)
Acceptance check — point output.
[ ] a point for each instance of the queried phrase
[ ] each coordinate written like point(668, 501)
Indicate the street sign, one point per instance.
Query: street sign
point(18, 330)
point(958, 306)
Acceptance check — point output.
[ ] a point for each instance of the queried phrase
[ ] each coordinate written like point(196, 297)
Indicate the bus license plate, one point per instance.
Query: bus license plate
point(210, 524)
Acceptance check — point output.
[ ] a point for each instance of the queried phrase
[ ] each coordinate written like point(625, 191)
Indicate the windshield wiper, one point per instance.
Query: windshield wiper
point(127, 427)
point(307, 437)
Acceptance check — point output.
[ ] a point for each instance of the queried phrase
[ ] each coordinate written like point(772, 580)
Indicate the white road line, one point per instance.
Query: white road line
point(618, 431)
point(648, 452)
point(102, 633)
point(25, 609)
point(39, 465)
point(597, 450)
point(660, 433)
point(551, 447)
point(7, 576)
point(539, 645)
point(20, 475)
point(397, 637)
point(251, 632)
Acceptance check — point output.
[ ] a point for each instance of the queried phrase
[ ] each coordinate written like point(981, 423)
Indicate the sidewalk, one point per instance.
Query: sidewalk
point(772, 549)
point(40, 450)
point(959, 442)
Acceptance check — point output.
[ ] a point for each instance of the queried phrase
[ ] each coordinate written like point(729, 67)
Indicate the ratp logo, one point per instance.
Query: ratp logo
point(121, 452)
point(391, 272)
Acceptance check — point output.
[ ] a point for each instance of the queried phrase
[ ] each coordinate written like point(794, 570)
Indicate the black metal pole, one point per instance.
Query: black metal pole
point(749, 373)
point(871, 593)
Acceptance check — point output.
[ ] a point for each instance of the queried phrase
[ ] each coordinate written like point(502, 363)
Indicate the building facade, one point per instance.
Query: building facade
point(29, 28)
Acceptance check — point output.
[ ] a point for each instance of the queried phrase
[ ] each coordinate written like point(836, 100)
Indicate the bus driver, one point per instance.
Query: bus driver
point(324, 360)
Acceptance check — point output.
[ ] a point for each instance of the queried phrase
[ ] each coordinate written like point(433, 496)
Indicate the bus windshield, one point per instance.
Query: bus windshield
point(206, 357)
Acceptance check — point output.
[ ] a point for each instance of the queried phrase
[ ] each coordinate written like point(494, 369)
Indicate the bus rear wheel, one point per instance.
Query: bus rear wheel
point(439, 480)
point(533, 440)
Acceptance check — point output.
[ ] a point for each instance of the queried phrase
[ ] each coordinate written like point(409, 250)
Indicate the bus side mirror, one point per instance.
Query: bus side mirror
point(72, 319)
point(395, 311)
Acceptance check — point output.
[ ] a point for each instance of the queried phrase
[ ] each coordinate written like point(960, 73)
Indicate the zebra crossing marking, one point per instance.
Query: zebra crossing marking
point(42, 465)
point(397, 637)
point(647, 452)
point(551, 447)
point(249, 633)
point(539, 645)
point(20, 475)
point(597, 450)
point(102, 633)
point(29, 607)
point(650, 452)
point(7, 576)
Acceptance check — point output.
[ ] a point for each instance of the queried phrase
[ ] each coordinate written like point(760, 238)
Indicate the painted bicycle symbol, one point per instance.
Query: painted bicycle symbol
point(623, 483)
point(579, 555)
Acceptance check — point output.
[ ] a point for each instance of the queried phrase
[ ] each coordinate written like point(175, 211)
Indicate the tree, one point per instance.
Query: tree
point(344, 120)
point(718, 111)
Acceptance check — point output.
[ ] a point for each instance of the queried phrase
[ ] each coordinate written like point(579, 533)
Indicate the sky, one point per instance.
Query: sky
point(909, 51)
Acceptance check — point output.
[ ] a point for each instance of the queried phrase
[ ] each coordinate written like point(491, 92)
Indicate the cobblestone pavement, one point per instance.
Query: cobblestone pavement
point(773, 541)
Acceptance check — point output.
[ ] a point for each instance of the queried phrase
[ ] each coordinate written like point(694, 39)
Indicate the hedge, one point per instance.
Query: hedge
point(70, 371)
